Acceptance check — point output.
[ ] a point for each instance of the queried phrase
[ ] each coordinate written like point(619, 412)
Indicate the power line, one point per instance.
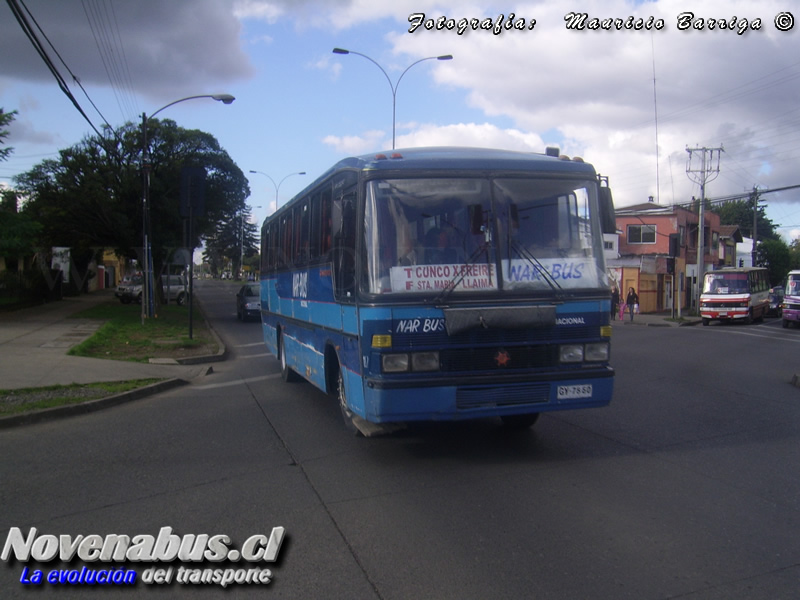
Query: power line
point(14, 5)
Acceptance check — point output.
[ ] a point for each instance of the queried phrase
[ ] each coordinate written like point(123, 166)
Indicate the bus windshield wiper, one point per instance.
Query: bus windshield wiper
point(459, 277)
point(536, 263)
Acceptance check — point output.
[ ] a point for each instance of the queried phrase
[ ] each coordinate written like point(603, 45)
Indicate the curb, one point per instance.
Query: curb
point(70, 410)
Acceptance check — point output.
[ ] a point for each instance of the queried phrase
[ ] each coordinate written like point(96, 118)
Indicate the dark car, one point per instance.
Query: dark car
point(248, 302)
point(775, 300)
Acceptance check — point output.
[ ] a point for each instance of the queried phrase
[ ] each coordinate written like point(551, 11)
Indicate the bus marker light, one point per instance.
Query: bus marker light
point(382, 341)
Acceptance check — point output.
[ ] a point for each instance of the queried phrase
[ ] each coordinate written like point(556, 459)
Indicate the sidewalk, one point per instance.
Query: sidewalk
point(662, 319)
point(34, 343)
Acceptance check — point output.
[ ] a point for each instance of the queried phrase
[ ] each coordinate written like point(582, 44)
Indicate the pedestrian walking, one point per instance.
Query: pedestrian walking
point(614, 303)
point(632, 301)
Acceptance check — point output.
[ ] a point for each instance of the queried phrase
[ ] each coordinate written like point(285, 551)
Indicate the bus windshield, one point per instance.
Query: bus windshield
point(462, 235)
point(793, 285)
point(726, 283)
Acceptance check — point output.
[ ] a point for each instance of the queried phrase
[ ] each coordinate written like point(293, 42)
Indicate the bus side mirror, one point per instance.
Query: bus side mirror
point(608, 219)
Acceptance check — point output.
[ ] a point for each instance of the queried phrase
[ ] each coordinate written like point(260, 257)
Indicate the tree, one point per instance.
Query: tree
point(5, 119)
point(91, 197)
point(227, 245)
point(17, 232)
point(740, 213)
point(775, 255)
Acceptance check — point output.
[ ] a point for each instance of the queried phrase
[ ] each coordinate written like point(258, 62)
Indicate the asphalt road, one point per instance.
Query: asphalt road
point(687, 486)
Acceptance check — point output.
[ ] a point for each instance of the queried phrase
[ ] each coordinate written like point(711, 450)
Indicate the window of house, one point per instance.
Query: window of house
point(641, 234)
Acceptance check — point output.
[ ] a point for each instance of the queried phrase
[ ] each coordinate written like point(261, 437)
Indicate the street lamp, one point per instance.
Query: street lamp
point(278, 185)
point(147, 275)
point(393, 85)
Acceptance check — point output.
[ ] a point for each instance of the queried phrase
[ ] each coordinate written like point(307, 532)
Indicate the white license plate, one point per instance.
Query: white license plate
point(566, 392)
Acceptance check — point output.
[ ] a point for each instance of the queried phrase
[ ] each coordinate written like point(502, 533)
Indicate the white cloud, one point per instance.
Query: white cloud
point(356, 144)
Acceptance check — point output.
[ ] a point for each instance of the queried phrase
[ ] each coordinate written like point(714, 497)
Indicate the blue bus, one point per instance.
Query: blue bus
point(443, 284)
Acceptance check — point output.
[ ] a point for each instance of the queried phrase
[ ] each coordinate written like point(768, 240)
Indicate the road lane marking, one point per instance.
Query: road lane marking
point(212, 386)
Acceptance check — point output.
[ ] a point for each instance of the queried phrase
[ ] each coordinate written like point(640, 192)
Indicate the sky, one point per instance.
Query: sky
point(633, 102)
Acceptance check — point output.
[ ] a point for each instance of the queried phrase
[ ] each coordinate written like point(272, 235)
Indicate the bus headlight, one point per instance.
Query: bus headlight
point(570, 353)
point(425, 361)
point(394, 363)
point(416, 361)
point(596, 352)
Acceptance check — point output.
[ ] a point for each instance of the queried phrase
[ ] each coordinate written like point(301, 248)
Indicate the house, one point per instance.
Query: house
point(665, 277)
point(729, 237)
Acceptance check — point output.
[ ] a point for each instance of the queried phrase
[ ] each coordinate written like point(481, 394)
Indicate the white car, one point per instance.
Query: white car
point(174, 286)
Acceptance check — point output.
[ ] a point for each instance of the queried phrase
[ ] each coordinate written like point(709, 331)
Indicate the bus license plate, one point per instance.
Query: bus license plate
point(574, 391)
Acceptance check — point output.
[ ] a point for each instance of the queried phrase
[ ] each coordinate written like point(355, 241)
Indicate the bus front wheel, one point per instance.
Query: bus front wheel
point(347, 414)
point(288, 375)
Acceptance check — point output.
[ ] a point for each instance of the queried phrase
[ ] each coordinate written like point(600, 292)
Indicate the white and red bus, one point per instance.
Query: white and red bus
point(735, 293)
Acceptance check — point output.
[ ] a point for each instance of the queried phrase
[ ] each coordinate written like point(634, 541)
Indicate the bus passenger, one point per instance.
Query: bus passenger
point(437, 247)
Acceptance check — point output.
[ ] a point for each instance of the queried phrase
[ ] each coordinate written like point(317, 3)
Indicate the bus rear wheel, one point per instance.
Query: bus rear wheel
point(288, 375)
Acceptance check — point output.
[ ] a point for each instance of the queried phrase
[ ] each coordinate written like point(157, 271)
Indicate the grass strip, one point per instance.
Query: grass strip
point(125, 337)
point(26, 399)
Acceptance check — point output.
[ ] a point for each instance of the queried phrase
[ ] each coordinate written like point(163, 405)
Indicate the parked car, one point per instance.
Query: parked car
point(174, 287)
point(248, 302)
point(129, 290)
point(775, 302)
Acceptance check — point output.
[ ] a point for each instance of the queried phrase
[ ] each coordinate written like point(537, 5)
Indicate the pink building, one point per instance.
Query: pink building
point(645, 260)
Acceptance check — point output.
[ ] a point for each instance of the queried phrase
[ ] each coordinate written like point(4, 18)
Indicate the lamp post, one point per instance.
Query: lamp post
point(277, 185)
point(397, 83)
point(147, 275)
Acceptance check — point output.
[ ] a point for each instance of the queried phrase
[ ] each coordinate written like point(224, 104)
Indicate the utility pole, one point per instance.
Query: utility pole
point(754, 198)
point(702, 176)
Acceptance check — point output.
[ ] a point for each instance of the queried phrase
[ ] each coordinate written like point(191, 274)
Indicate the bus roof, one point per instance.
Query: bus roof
point(724, 270)
point(452, 157)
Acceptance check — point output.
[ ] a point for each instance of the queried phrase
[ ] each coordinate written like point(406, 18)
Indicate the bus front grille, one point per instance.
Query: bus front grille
point(499, 358)
point(508, 395)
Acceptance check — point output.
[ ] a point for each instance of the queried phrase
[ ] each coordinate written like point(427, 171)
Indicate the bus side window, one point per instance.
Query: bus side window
point(316, 230)
point(326, 223)
point(344, 247)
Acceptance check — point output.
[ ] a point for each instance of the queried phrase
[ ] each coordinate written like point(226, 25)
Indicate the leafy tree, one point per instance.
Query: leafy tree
point(17, 231)
point(233, 236)
point(5, 119)
point(775, 255)
point(740, 213)
point(91, 197)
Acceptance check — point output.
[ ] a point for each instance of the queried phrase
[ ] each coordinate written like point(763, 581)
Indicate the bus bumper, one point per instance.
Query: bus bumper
point(791, 315)
point(480, 397)
point(723, 315)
